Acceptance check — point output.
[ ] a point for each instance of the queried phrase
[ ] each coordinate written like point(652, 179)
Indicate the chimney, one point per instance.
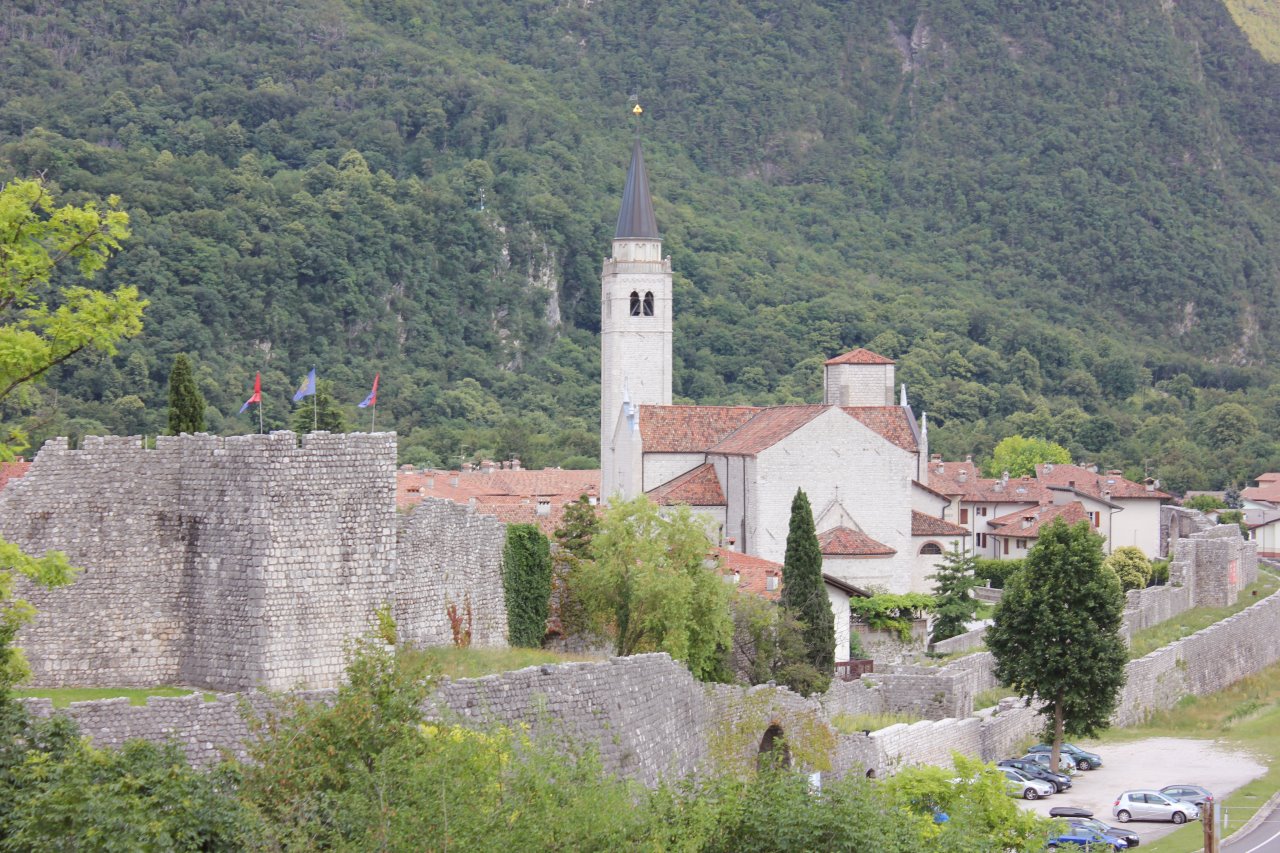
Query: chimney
point(998, 487)
point(515, 464)
point(1048, 467)
point(544, 506)
point(962, 476)
point(486, 466)
point(468, 467)
point(1027, 521)
point(937, 457)
point(968, 457)
point(1093, 469)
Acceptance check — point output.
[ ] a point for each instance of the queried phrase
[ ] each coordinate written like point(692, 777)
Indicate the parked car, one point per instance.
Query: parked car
point(1152, 805)
point(1065, 766)
point(1081, 759)
point(1075, 814)
point(1087, 839)
point(1188, 794)
point(1020, 784)
point(1059, 781)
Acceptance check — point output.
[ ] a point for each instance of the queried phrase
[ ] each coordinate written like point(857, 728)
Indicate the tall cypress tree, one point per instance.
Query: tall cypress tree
point(803, 592)
point(186, 403)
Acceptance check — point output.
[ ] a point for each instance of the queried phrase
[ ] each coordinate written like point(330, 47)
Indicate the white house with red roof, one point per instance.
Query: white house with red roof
point(858, 455)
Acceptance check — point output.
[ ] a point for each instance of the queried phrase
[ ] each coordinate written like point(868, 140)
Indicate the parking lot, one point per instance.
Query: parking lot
point(1152, 763)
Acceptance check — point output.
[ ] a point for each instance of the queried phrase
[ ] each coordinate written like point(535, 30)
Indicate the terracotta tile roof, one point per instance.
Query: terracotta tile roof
point(1269, 477)
point(1094, 484)
point(699, 487)
point(964, 479)
point(753, 573)
point(1266, 491)
point(766, 429)
point(1011, 524)
point(13, 471)
point(891, 422)
point(689, 429)
point(923, 524)
point(511, 496)
point(930, 489)
point(846, 542)
point(831, 580)
point(859, 356)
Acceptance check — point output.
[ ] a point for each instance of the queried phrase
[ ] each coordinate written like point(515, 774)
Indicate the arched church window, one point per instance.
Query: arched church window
point(931, 548)
point(635, 304)
point(648, 304)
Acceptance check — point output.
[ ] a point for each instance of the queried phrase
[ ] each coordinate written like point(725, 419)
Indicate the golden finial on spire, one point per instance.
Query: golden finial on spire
point(636, 110)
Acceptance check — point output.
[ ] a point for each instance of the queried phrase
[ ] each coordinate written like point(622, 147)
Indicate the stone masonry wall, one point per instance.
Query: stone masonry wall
point(449, 554)
point(227, 563)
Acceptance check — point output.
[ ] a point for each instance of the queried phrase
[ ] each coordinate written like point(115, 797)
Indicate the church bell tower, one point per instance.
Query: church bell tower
point(635, 323)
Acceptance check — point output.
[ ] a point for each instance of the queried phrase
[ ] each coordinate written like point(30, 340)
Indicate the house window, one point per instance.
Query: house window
point(771, 583)
point(1006, 546)
point(982, 540)
point(648, 304)
point(982, 511)
point(931, 548)
point(1022, 544)
point(1097, 519)
point(635, 304)
point(964, 515)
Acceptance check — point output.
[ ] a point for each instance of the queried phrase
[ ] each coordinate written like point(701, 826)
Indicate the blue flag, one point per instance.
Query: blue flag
point(308, 386)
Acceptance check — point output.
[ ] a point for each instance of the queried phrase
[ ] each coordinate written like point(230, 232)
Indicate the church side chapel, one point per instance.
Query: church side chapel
point(860, 457)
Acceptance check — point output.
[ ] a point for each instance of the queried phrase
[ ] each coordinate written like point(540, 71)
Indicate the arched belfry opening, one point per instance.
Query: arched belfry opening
point(773, 749)
point(647, 309)
point(635, 304)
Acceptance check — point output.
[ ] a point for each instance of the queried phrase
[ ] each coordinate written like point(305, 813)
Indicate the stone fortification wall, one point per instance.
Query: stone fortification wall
point(960, 643)
point(1145, 608)
point(448, 554)
point(227, 563)
point(1205, 662)
point(1216, 563)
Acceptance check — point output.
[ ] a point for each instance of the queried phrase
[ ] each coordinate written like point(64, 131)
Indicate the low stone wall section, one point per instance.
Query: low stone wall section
point(448, 554)
point(1146, 608)
point(960, 643)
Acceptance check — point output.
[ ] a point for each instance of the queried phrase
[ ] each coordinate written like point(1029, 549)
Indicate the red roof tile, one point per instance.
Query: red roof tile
point(766, 429)
point(689, 429)
point(1268, 492)
point(926, 525)
point(699, 487)
point(1094, 484)
point(753, 572)
point(846, 542)
point(512, 496)
point(859, 356)
point(13, 471)
point(1011, 524)
point(964, 479)
point(891, 422)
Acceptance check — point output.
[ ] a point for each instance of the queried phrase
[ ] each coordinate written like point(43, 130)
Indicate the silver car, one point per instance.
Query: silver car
point(1152, 805)
point(1020, 784)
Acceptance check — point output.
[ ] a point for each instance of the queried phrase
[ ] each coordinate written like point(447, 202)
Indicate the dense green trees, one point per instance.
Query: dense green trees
point(954, 607)
point(526, 581)
point(186, 404)
point(427, 190)
point(1019, 456)
point(1055, 633)
point(804, 594)
point(648, 586)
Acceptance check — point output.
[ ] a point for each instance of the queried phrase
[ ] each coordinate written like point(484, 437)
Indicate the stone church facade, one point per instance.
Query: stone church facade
point(860, 455)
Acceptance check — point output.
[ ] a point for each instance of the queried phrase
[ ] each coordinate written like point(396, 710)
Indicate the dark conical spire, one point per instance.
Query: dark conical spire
point(636, 220)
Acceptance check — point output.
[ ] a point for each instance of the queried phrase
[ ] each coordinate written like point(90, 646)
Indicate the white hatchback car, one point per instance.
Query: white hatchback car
point(1152, 805)
point(1019, 784)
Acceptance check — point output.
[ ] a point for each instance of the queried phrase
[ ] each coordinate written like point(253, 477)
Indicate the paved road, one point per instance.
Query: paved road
point(1264, 838)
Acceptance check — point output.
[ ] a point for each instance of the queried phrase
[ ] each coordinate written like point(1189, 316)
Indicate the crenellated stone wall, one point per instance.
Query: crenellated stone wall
point(239, 562)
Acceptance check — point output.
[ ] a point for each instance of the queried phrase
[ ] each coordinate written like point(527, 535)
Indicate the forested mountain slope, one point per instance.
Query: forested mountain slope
point(1062, 219)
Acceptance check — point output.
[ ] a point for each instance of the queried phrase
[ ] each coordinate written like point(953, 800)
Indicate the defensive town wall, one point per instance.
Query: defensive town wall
point(239, 562)
point(650, 719)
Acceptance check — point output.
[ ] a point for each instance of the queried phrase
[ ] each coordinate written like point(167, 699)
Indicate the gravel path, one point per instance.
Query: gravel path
point(1152, 763)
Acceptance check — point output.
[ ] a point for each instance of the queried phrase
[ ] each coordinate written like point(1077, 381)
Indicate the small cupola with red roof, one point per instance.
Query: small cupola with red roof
point(859, 377)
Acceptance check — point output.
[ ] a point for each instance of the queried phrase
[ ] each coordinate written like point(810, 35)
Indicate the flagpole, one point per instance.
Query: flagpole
point(315, 411)
point(373, 418)
point(259, 415)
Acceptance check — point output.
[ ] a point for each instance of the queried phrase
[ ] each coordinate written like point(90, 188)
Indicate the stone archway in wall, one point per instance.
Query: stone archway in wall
point(773, 748)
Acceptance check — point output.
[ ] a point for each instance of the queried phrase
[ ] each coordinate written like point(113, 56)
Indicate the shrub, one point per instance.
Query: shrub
point(995, 572)
point(526, 579)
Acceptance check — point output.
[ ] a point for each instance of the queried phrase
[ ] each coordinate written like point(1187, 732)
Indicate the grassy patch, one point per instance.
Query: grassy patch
point(1247, 716)
point(64, 696)
point(848, 724)
point(1198, 618)
point(473, 663)
point(987, 698)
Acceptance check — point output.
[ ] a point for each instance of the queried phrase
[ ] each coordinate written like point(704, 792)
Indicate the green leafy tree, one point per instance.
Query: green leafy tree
point(1204, 503)
point(44, 322)
point(803, 591)
point(186, 403)
point(768, 644)
point(1019, 456)
point(1131, 566)
point(578, 525)
point(323, 411)
point(1055, 633)
point(954, 606)
point(1234, 516)
point(648, 586)
point(526, 580)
